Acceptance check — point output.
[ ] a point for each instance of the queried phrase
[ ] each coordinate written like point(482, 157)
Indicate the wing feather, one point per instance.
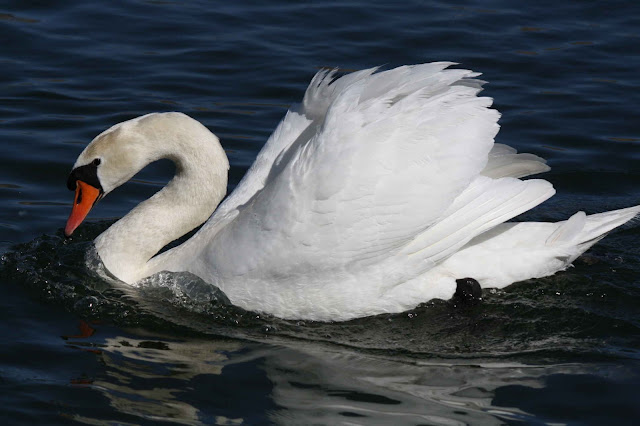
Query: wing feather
point(505, 161)
point(388, 158)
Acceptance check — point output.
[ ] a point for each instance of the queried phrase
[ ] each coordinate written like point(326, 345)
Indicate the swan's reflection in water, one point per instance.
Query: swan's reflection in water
point(147, 377)
point(230, 382)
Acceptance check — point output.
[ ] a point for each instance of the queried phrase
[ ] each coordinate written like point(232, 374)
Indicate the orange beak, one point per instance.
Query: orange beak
point(86, 197)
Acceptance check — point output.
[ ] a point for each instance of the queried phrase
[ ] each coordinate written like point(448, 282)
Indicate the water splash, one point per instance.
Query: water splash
point(570, 314)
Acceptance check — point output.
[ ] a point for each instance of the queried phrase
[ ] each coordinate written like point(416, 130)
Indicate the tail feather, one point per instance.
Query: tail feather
point(516, 251)
point(599, 225)
point(584, 231)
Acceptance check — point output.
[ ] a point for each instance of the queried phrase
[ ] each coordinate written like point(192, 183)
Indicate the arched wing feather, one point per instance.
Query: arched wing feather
point(389, 157)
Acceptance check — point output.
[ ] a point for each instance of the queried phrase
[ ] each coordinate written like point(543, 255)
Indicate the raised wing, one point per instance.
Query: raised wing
point(300, 120)
point(386, 161)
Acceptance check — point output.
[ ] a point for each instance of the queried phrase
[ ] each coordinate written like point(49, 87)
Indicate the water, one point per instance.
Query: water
point(561, 350)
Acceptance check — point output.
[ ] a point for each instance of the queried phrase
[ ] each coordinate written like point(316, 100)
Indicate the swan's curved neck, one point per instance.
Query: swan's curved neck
point(184, 203)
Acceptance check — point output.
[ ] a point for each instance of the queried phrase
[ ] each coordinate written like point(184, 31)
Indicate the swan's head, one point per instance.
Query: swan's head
point(114, 157)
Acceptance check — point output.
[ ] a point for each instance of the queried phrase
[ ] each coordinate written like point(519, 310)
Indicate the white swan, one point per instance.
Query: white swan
point(373, 195)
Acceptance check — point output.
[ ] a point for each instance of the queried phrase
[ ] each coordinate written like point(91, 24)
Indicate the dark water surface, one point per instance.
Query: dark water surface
point(561, 350)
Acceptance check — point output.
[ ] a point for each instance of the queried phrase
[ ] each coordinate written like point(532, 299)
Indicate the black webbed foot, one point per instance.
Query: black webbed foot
point(468, 292)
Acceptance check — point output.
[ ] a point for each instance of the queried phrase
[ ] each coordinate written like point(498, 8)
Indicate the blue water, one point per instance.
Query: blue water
point(562, 350)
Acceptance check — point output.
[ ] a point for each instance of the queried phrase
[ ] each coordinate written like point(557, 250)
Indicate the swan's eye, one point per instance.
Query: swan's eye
point(96, 162)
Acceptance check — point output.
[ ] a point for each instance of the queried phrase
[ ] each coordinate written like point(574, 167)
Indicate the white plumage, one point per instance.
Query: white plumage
point(373, 195)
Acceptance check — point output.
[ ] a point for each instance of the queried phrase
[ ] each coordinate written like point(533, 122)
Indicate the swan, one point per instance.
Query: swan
point(373, 195)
